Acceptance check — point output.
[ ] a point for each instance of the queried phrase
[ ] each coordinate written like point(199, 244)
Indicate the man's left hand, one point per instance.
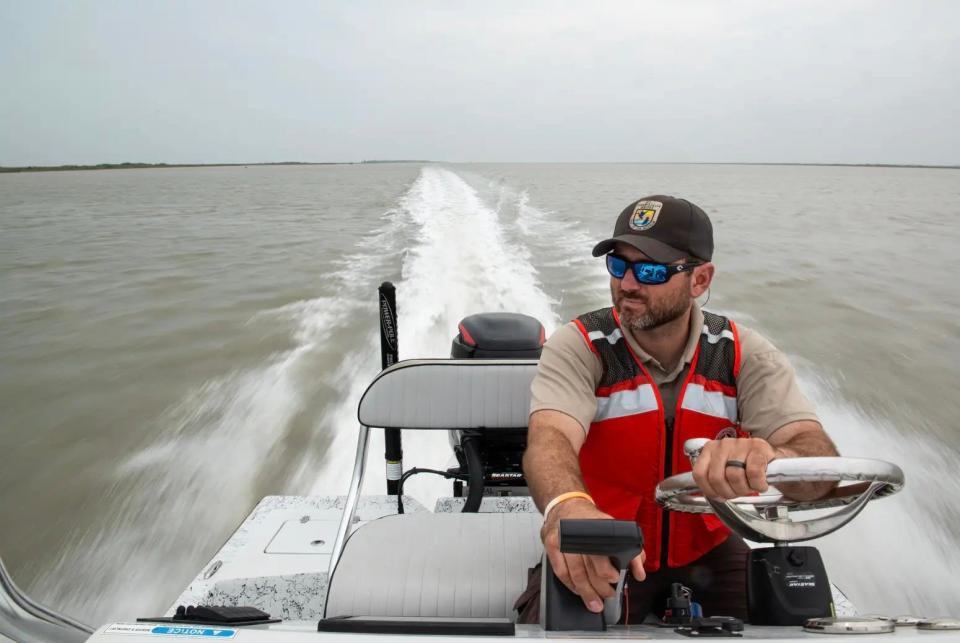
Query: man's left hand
point(734, 467)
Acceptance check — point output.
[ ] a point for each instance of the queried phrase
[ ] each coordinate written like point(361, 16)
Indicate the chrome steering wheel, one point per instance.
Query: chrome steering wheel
point(767, 517)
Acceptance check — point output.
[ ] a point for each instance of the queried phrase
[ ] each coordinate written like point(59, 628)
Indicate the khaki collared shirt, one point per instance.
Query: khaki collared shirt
point(768, 396)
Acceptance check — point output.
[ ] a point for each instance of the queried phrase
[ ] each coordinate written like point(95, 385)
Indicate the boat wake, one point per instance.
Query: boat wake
point(900, 555)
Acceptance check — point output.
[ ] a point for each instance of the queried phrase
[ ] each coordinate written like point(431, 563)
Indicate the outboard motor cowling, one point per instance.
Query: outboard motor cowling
point(498, 335)
point(493, 461)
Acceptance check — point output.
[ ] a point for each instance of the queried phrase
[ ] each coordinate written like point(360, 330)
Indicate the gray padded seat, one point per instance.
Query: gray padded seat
point(425, 564)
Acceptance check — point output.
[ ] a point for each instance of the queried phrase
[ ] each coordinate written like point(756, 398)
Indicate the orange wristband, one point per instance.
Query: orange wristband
point(563, 497)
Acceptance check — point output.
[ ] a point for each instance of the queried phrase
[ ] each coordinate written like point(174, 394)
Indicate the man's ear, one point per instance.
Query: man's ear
point(700, 279)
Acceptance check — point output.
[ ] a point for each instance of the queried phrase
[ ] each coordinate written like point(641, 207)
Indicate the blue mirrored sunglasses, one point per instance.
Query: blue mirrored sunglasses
point(650, 273)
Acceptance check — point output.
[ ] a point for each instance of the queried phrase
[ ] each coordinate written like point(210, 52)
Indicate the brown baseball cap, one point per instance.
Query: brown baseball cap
point(664, 228)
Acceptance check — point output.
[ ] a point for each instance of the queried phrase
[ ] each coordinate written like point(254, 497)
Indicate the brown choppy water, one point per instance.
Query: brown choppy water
point(175, 344)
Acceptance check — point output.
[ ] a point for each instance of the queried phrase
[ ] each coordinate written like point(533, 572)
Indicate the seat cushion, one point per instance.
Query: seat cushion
point(426, 564)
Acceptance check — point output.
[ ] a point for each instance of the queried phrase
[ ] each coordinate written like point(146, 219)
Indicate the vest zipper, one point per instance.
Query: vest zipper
point(667, 472)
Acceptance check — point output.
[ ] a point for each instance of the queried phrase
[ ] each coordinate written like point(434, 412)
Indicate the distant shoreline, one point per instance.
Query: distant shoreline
point(891, 165)
point(141, 166)
point(148, 166)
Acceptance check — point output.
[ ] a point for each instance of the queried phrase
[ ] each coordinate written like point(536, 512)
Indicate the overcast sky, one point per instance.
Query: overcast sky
point(229, 81)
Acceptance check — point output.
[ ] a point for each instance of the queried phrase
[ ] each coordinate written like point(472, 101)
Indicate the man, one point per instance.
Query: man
point(619, 390)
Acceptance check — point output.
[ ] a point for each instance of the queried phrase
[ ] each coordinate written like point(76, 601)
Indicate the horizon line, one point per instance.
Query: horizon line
point(162, 165)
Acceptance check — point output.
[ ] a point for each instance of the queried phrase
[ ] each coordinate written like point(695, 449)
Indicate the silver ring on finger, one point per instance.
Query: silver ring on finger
point(737, 464)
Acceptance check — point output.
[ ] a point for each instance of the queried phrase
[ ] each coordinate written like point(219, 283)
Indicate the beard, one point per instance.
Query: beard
point(657, 313)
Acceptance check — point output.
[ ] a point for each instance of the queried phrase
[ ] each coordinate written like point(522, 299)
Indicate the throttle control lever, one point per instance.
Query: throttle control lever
point(620, 540)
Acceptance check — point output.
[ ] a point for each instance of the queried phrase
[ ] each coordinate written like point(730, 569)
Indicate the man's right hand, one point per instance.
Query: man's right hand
point(590, 577)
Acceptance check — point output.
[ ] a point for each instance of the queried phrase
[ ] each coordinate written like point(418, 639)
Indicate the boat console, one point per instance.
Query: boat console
point(788, 584)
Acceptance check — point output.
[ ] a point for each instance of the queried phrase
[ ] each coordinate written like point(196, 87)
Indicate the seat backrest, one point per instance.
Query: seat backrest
point(466, 565)
point(449, 394)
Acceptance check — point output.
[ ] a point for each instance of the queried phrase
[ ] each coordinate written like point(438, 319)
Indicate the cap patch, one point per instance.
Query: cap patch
point(645, 215)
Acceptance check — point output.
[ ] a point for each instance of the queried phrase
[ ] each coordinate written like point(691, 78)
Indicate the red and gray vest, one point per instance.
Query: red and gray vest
point(631, 445)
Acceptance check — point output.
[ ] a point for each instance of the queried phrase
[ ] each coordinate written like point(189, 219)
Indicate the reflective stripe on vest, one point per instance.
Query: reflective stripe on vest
point(628, 402)
point(612, 338)
point(705, 397)
point(623, 456)
point(713, 339)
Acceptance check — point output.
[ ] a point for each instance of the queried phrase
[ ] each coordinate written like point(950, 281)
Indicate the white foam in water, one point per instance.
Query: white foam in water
point(899, 555)
point(566, 247)
point(210, 447)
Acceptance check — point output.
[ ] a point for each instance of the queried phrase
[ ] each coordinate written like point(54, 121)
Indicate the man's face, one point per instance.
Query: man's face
point(644, 307)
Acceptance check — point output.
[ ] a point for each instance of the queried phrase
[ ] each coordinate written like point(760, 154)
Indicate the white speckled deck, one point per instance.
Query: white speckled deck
point(277, 559)
point(489, 504)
